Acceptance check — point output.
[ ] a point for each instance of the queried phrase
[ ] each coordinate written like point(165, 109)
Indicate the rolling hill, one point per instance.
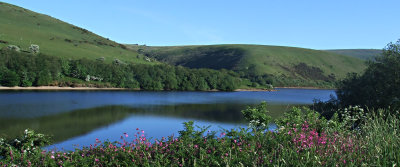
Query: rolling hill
point(365, 54)
point(22, 27)
point(289, 62)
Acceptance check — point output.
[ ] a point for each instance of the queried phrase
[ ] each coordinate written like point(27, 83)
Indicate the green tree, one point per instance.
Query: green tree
point(378, 87)
point(44, 78)
point(9, 78)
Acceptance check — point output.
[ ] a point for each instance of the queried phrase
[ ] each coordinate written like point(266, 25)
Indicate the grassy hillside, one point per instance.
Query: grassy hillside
point(365, 54)
point(22, 27)
point(289, 65)
point(289, 62)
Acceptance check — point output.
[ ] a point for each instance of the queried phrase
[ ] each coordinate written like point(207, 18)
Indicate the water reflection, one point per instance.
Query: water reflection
point(80, 117)
point(63, 126)
point(66, 125)
point(31, 104)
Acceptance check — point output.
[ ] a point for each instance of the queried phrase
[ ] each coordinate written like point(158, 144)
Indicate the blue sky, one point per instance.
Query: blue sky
point(316, 24)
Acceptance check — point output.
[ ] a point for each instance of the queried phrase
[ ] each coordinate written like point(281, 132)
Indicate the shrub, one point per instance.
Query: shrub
point(258, 117)
point(378, 86)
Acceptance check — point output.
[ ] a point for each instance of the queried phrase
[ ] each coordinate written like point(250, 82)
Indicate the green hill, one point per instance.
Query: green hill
point(284, 66)
point(365, 54)
point(282, 62)
point(22, 27)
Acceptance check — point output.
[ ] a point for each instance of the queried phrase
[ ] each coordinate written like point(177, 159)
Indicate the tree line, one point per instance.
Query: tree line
point(24, 69)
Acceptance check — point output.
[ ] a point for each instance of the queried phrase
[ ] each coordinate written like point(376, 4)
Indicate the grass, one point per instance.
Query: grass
point(276, 60)
point(23, 27)
point(304, 138)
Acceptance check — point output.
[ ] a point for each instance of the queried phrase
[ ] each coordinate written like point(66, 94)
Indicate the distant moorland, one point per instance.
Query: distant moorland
point(365, 54)
point(258, 66)
point(285, 66)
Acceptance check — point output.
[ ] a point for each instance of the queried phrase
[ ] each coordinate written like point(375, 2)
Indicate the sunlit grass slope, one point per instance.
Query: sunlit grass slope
point(366, 54)
point(22, 27)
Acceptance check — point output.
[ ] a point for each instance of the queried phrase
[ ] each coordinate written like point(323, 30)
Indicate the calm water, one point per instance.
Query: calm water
point(79, 117)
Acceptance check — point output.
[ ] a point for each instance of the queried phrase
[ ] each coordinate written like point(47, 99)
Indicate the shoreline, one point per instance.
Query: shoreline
point(290, 87)
point(255, 90)
point(94, 88)
point(59, 88)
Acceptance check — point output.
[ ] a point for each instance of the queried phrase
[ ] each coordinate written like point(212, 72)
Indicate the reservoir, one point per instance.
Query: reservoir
point(78, 118)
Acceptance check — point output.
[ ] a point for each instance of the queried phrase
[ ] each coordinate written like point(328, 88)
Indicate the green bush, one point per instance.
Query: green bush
point(257, 117)
point(26, 146)
point(378, 87)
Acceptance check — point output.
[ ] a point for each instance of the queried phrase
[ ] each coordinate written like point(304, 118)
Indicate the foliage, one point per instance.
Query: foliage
point(378, 86)
point(257, 117)
point(276, 65)
point(300, 116)
point(381, 131)
point(28, 144)
point(22, 69)
point(304, 138)
point(8, 78)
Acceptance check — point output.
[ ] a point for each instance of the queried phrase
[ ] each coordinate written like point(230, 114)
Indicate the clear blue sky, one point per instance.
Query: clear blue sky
point(316, 24)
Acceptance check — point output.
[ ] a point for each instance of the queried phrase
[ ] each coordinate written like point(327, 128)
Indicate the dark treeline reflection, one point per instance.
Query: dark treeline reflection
point(64, 126)
point(226, 113)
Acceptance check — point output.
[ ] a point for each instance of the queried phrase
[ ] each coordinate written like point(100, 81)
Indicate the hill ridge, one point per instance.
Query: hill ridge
point(55, 37)
point(265, 59)
point(365, 54)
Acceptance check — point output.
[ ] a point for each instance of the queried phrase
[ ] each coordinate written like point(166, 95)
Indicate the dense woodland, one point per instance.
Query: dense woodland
point(27, 69)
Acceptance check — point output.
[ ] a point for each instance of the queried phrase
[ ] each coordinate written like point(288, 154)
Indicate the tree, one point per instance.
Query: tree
point(44, 78)
point(9, 78)
point(379, 86)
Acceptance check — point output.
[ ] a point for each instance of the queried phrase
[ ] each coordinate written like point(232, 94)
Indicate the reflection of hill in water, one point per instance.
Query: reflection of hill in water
point(66, 125)
point(226, 113)
point(75, 123)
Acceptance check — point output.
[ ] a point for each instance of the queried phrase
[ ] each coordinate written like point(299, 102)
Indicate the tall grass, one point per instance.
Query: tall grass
point(381, 132)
